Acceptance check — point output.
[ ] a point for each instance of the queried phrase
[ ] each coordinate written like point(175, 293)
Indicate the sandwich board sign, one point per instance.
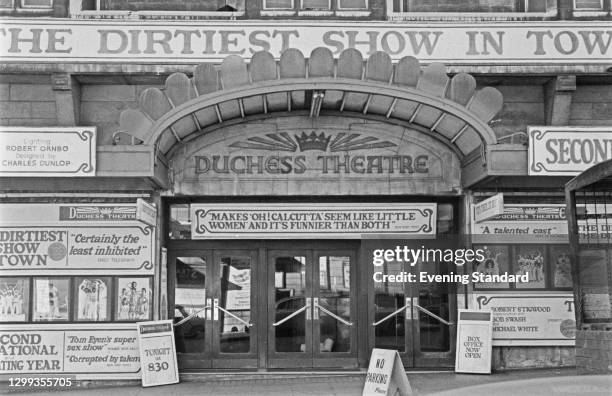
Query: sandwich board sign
point(474, 342)
point(157, 353)
point(386, 375)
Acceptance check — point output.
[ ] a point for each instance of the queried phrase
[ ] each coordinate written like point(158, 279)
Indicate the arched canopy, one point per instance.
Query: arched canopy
point(450, 109)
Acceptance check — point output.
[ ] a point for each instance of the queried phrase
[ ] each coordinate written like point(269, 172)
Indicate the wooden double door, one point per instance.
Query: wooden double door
point(260, 305)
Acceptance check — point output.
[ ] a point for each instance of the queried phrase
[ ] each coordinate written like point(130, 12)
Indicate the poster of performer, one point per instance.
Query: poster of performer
point(531, 260)
point(51, 299)
point(495, 263)
point(134, 300)
point(14, 295)
point(92, 301)
point(561, 265)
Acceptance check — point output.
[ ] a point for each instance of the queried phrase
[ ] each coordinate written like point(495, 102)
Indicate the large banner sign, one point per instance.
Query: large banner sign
point(82, 248)
point(567, 151)
point(542, 223)
point(536, 319)
point(84, 352)
point(36, 152)
point(35, 41)
point(312, 221)
point(77, 213)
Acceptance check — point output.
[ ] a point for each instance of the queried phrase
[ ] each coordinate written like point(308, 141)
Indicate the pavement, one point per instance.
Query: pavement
point(534, 382)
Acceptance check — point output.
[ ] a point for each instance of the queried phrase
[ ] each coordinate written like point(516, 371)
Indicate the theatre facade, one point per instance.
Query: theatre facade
point(241, 179)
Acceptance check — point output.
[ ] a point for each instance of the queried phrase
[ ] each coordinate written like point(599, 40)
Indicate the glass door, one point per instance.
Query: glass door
point(311, 309)
point(214, 308)
point(415, 318)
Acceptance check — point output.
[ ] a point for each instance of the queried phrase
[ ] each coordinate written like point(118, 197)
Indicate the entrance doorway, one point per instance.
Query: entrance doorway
point(215, 308)
point(311, 308)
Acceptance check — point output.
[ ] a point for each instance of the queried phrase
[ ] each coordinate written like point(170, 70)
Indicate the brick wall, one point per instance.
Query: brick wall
point(523, 106)
point(592, 105)
point(27, 105)
point(533, 357)
point(594, 352)
point(102, 104)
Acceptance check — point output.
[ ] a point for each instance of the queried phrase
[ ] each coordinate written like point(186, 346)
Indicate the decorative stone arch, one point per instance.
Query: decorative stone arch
point(448, 109)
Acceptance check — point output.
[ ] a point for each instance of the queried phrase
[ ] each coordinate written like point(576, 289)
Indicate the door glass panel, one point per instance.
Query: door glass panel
point(388, 298)
point(235, 297)
point(433, 296)
point(190, 297)
point(290, 296)
point(334, 296)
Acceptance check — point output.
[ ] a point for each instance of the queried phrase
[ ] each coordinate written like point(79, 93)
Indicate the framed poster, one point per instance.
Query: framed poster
point(561, 266)
point(531, 260)
point(134, 299)
point(93, 295)
point(51, 299)
point(495, 263)
point(14, 299)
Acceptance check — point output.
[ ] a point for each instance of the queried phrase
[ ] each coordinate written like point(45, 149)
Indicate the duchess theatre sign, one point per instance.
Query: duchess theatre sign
point(25, 40)
point(311, 221)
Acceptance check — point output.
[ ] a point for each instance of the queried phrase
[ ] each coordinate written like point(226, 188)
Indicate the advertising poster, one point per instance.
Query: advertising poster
point(312, 221)
point(530, 319)
point(93, 299)
point(77, 248)
point(14, 299)
point(157, 353)
point(51, 299)
point(83, 351)
point(134, 299)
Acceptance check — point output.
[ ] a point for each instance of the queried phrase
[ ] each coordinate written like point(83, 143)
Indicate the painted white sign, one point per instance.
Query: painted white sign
point(146, 212)
point(80, 350)
point(386, 375)
point(46, 152)
point(474, 346)
point(157, 353)
point(567, 151)
point(534, 319)
point(311, 220)
point(35, 41)
point(489, 207)
point(68, 248)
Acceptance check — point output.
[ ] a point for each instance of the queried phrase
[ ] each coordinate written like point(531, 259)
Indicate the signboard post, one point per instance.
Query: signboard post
point(386, 375)
point(489, 207)
point(157, 353)
point(474, 342)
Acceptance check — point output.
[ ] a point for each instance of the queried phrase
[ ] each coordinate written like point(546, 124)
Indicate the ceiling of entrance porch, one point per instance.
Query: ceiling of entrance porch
point(450, 109)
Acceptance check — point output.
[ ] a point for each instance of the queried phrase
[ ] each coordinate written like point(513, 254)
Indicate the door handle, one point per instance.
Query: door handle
point(315, 312)
point(330, 313)
point(215, 309)
point(407, 305)
point(308, 308)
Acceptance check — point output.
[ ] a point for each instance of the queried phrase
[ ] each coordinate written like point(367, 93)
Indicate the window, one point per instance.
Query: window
point(37, 3)
point(548, 266)
point(278, 4)
point(7, 4)
point(316, 4)
point(470, 6)
point(171, 6)
point(580, 5)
